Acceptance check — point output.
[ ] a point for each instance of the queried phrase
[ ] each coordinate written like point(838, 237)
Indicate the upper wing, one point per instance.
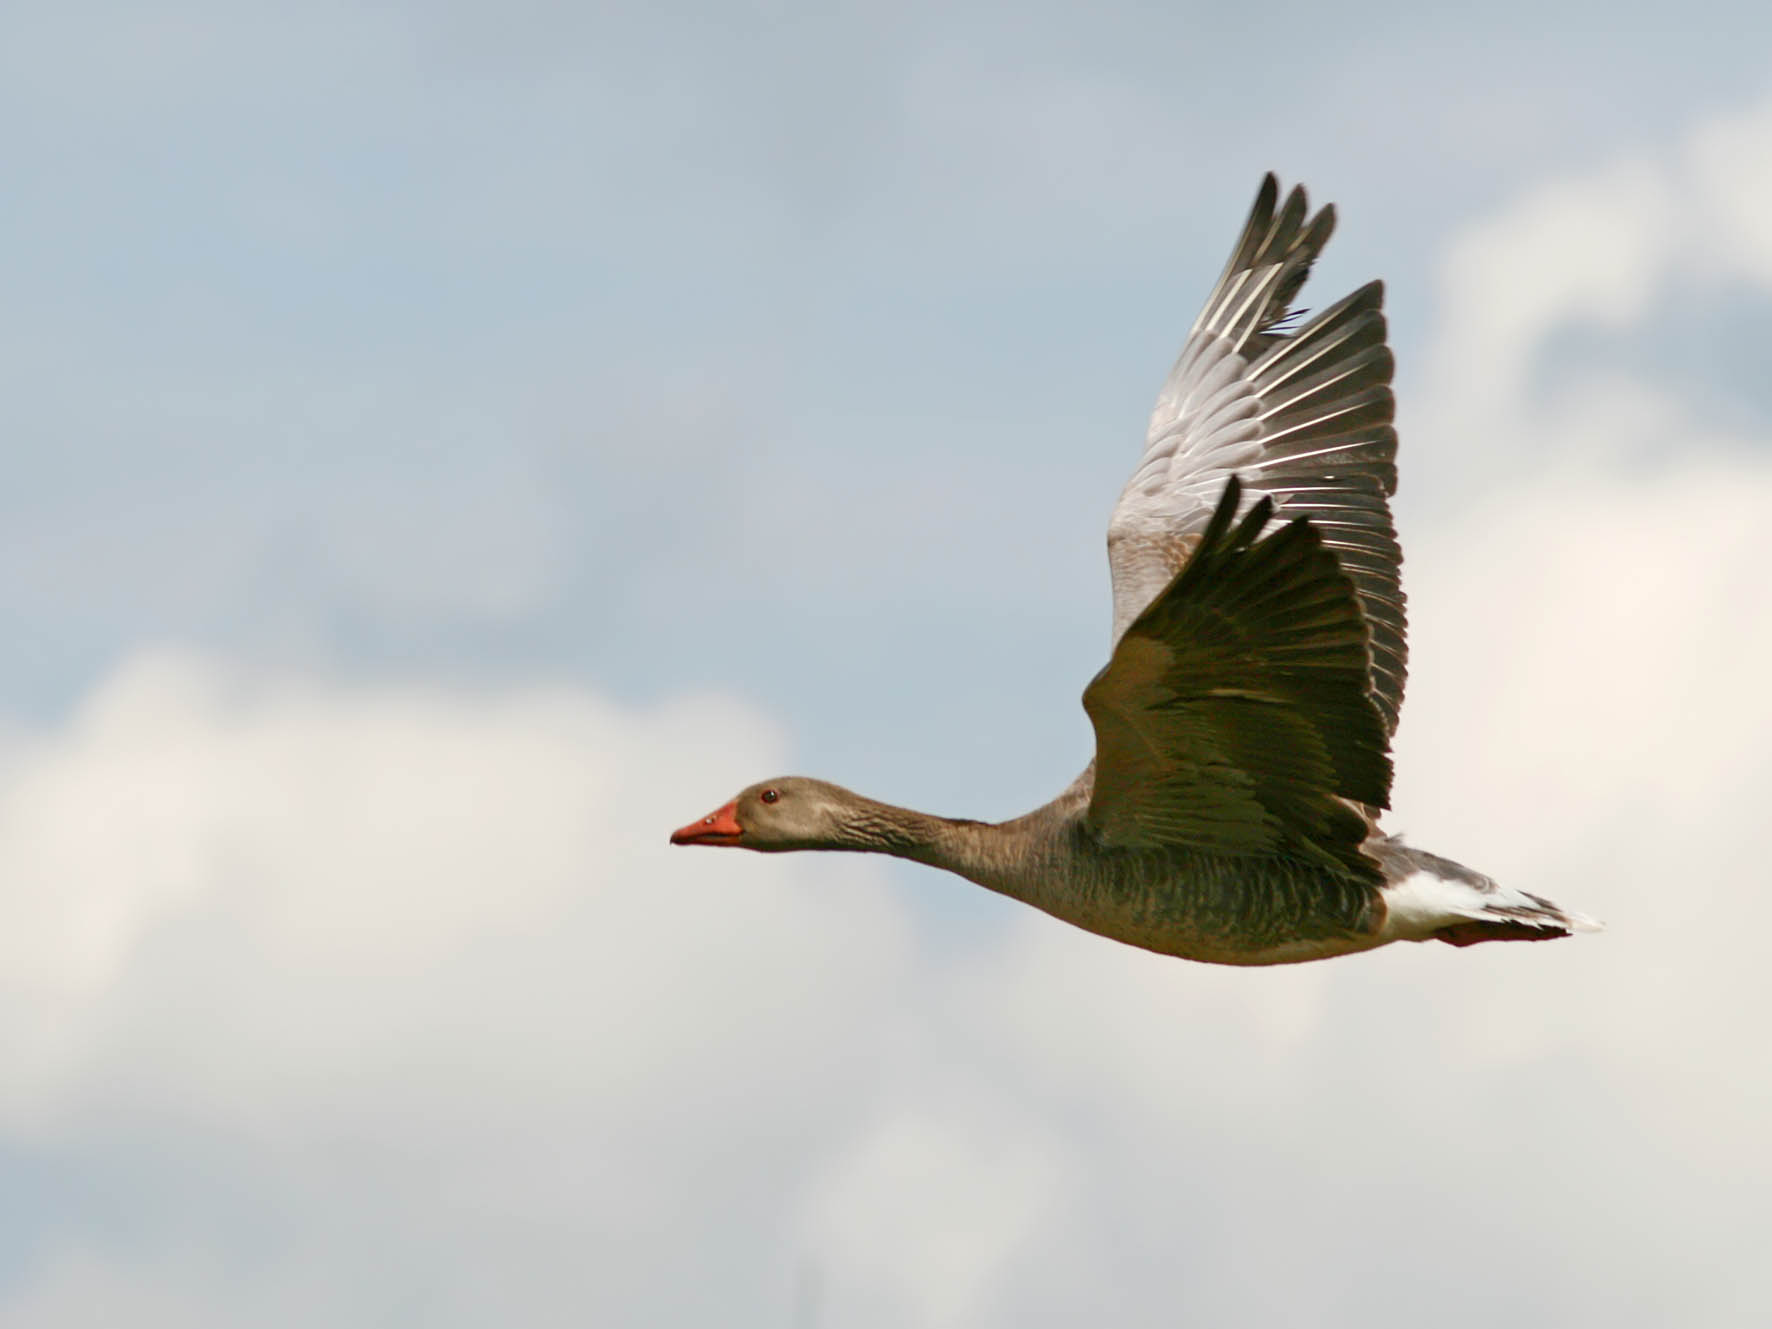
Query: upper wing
point(1234, 716)
point(1303, 416)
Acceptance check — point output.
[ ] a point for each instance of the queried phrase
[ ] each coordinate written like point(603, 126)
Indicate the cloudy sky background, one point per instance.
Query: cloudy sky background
point(450, 445)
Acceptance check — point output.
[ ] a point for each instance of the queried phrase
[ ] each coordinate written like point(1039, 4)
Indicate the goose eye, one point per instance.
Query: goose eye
point(771, 795)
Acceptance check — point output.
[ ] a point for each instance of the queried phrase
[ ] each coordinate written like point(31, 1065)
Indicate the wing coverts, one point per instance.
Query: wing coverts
point(1234, 715)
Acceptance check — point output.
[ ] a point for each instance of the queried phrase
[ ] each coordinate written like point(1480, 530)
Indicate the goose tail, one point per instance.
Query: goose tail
point(1428, 898)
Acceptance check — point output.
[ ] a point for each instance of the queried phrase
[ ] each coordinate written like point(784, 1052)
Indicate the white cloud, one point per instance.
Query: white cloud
point(1598, 250)
point(1727, 165)
point(1589, 249)
point(419, 957)
point(364, 998)
point(916, 1223)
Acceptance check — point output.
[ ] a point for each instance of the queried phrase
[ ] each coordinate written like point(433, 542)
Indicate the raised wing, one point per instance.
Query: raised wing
point(1304, 417)
point(1234, 715)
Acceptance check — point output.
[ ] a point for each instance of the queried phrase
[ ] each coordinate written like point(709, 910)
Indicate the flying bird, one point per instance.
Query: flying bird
point(1244, 717)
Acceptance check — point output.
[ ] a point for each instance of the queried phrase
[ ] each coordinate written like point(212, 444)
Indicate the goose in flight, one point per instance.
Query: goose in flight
point(1244, 717)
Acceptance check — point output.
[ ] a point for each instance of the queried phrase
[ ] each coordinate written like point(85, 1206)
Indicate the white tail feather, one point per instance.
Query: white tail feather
point(1422, 906)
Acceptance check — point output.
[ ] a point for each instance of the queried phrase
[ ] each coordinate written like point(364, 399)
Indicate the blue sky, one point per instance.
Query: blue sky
point(451, 445)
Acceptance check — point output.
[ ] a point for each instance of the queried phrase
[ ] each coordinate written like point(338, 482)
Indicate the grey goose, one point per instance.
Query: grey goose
point(1244, 717)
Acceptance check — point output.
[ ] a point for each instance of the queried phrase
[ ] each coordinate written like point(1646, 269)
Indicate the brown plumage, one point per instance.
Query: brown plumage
point(1243, 720)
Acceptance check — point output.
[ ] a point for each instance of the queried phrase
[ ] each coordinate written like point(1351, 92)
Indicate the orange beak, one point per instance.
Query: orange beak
point(719, 827)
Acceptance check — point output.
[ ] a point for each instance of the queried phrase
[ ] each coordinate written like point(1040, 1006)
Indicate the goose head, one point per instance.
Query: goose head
point(791, 812)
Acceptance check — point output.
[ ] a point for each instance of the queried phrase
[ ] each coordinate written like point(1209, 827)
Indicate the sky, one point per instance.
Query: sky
point(451, 445)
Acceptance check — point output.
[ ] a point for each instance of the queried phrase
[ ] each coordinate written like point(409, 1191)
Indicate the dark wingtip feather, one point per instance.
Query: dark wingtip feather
point(1292, 215)
point(1228, 499)
point(1257, 518)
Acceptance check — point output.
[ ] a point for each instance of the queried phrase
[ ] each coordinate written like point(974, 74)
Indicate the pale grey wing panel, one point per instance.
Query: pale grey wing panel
point(1304, 417)
point(1205, 422)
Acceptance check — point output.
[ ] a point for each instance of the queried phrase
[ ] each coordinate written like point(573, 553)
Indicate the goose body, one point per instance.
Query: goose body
point(1244, 717)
